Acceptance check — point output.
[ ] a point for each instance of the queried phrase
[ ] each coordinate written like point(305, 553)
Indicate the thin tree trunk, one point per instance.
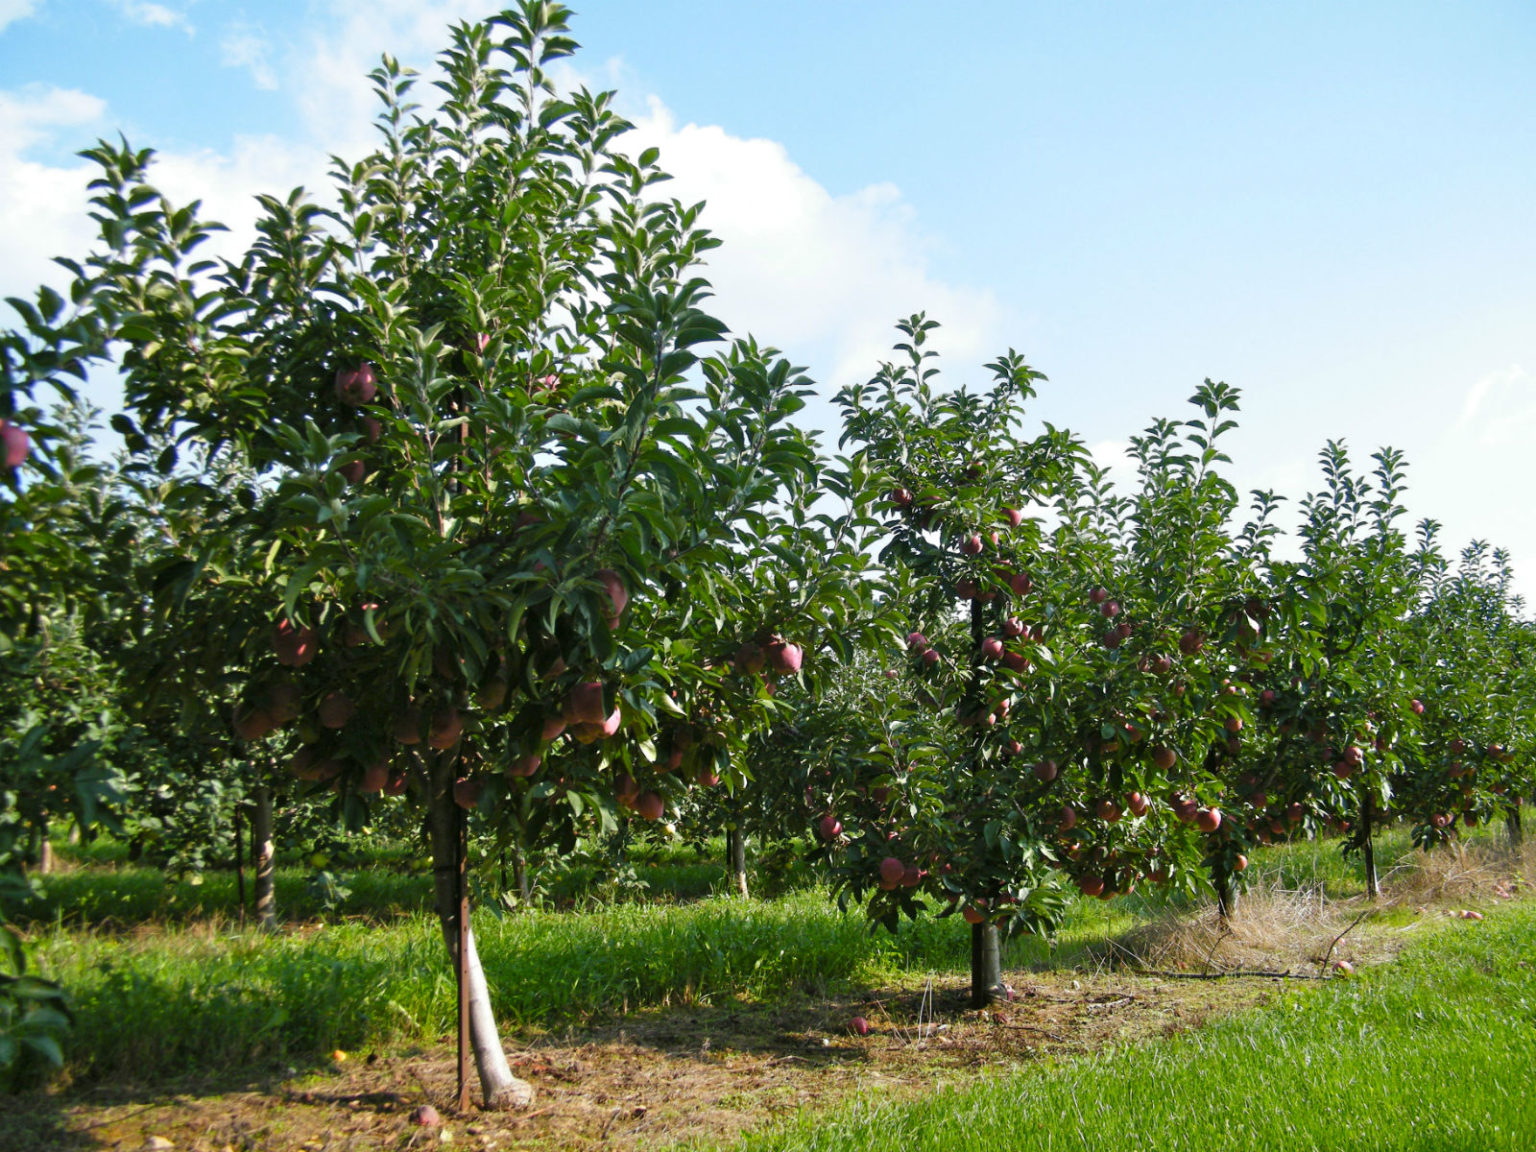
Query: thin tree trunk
point(44, 855)
point(986, 965)
point(1368, 848)
point(1512, 826)
point(1226, 896)
point(499, 1088)
point(239, 865)
point(736, 854)
point(263, 890)
point(520, 873)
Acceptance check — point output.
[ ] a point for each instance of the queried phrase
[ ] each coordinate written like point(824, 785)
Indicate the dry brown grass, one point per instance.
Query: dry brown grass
point(1298, 931)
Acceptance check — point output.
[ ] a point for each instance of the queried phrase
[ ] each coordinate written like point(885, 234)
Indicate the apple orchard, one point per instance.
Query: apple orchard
point(451, 499)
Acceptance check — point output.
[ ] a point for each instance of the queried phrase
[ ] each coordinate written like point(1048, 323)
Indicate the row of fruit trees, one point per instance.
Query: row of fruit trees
point(452, 498)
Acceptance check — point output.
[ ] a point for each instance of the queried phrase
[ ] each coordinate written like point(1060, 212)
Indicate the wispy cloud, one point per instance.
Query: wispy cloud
point(243, 46)
point(153, 15)
point(14, 10)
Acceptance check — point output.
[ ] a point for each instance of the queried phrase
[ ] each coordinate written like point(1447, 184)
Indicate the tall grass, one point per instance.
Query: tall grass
point(181, 999)
point(1433, 1053)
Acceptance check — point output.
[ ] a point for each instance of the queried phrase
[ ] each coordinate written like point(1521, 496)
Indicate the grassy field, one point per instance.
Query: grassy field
point(165, 981)
point(171, 989)
point(1433, 1053)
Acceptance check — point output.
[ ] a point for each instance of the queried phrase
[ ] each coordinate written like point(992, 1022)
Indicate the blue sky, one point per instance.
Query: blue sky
point(1331, 206)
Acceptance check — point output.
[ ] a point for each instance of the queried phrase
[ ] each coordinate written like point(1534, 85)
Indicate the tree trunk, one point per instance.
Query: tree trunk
point(1226, 896)
point(499, 1088)
point(44, 855)
point(239, 866)
point(1512, 826)
point(736, 855)
point(520, 873)
point(986, 965)
point(1368, 848)
point(263, 891)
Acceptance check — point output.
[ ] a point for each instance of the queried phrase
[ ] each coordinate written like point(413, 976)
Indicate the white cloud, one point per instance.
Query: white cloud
point(153, 15)
point(811, 271)
point(14, 10)
point(245, 47)
point(1499, 410)
point(43, 205)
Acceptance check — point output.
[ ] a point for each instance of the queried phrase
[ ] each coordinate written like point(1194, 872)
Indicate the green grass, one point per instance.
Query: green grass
point(176, 998)
point(1433, 1053)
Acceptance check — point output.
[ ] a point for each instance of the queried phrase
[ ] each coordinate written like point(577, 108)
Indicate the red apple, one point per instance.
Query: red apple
point(1045, 771)
point(1240, 864)
point(859, 1025)
point(618, 595)
point(785, 657)
point(357, 386)
point(830, 827)
point(1098, 595)
point(1015, 517)
point(1164, 758)
point(1068, 819)
point(901, 497)
point(1137, 803)
point(336, 709)
point(892, 869)
point(1109, 609)
point(1417, 707)
point(1020, 583)
point(585, 704)
point(295, 646)
point(1013, 627)
point(1234, 724)
point(15, 444)
point(374, 777)
point(252, 723)
point(971, 545)
point(973, 915)
point(1091, 885)
point(1108, 811)
point(916, 641)
point(1208, 819)
point(525, 765)
point(353, 472)
point(650, 806)
point(931, 657)
point(447, 727)
point(1191, 641)
point(466, 792)
point(992, 648)
point(553, 726)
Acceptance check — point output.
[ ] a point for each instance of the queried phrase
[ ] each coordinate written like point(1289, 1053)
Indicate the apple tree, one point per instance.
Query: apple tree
point(504, 519)
point(1337, 692)
point(1470, 660)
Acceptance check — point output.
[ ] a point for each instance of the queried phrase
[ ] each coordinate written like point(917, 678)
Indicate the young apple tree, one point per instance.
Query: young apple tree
point(505, 520)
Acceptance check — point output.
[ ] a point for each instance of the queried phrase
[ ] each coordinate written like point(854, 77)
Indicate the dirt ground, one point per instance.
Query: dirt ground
point(648, 1081)
point(705, 1073)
